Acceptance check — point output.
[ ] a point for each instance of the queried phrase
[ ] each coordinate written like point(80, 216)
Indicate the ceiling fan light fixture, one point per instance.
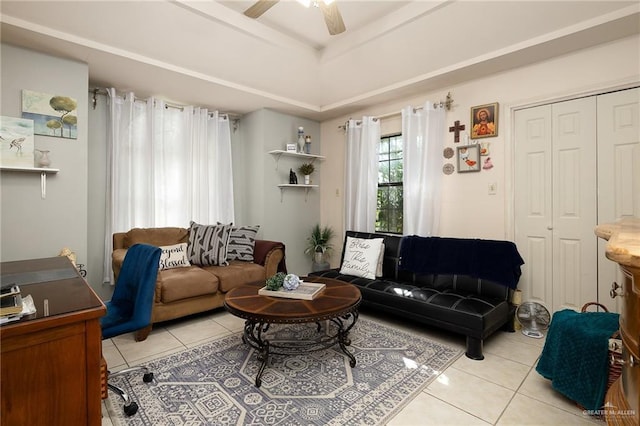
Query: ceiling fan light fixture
point(305, 3)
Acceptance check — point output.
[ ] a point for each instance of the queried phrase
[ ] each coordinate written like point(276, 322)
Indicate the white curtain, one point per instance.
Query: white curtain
point(423, 142)
point(361, 174)
point(166, 167)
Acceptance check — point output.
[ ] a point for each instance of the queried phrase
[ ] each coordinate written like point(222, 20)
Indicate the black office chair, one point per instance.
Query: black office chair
point(130, 306)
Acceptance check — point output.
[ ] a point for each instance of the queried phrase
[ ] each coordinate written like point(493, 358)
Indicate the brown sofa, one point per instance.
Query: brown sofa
point(192, 289)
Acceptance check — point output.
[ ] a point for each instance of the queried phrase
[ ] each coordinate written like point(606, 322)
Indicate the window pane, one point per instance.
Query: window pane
point(395, 174)
point(383, 198)
point(383, 147)
point(395, 148)
point(390, 172)
point(383, 172)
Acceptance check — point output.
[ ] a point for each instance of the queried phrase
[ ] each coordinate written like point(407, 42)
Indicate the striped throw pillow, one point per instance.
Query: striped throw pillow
point(242, 242)
point(208, 244)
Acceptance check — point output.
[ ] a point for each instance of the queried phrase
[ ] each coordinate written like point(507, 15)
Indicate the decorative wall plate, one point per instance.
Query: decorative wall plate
point(448, 152)
point(448, 168)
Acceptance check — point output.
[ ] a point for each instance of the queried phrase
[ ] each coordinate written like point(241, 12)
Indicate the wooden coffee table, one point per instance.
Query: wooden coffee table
point(337, 303)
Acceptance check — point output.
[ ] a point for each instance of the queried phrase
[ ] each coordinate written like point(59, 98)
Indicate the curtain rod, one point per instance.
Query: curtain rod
point(446, 104)
point(98, 91)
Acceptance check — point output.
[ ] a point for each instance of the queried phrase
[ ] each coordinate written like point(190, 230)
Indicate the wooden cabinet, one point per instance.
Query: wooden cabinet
point(51, 360)
point(622, 402)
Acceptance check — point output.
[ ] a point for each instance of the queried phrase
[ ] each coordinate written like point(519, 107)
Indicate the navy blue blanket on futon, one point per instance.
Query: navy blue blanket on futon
point(498, 261)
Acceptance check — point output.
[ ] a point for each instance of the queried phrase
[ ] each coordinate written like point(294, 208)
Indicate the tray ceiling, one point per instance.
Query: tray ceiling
point(208, 53)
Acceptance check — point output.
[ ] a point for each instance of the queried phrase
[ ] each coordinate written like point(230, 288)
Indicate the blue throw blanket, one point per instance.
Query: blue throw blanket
point(130, 306)
point(575, 355)
point(498, 261)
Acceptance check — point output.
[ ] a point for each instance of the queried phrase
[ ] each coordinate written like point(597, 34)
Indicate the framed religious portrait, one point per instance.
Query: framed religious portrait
point(484, 121)
point(468, 158)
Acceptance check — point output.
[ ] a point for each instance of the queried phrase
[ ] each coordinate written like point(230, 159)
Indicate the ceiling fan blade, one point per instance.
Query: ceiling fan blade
point(259, 7)
point(332, 17)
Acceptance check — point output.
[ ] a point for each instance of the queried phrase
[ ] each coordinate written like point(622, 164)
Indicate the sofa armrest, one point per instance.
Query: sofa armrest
point(117, 258)
point(118, 240)
point(271, 255)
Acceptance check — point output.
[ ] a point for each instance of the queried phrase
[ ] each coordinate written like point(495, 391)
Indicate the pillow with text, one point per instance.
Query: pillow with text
point(361, 257)
point(174, 256)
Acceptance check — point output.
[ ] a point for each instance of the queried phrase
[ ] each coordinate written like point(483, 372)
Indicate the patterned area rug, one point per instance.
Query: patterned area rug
point(213, 384)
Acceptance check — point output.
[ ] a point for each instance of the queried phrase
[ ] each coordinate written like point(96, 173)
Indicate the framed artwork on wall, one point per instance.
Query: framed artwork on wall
point(52, 115)
point(468, 158)
point(16, 142)
point(484, 121)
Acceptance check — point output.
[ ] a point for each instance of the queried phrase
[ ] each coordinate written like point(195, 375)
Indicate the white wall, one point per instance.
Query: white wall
point(467, 208)
point(30, 226)
point(286, 216)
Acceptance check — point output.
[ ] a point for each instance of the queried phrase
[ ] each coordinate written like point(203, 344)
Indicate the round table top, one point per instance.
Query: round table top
point(337, 299)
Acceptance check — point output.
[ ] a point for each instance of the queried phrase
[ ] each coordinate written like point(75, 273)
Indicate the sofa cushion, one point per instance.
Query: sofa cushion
point(242, 241)
point(183, 283)
point(208, 244)
point(361, 257)
point(156, 236)
point(174, 256)
point(237, 273)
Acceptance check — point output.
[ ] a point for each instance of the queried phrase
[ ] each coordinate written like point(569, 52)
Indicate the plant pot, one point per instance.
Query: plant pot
point(319, 264)
point(322, 266)
point(307, 179)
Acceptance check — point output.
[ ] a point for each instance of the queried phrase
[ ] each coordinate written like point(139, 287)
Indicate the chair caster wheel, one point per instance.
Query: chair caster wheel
point(131, 409)
point(147, 378)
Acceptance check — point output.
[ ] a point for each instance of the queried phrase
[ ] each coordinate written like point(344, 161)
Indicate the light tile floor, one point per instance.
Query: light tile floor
point(503, 389)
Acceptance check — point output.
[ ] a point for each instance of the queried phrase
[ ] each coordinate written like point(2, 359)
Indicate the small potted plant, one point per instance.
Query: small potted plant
point(306, 169)
point(318, 245)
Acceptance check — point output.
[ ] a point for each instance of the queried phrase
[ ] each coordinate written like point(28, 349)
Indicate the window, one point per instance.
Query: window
point(389, 208)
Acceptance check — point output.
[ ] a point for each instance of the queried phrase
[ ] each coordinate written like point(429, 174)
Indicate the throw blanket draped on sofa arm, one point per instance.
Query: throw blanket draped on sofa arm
point(264, 248)
point(498, 261)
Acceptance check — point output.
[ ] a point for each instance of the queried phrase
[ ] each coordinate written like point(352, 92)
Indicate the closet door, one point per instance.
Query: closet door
point(533, 208)
point(555, 202)
point(618, 175)
point(575, 246)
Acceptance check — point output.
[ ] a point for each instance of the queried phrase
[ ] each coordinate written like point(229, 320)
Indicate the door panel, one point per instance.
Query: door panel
point(533, 202)
point(574, 203)
point(618, 175)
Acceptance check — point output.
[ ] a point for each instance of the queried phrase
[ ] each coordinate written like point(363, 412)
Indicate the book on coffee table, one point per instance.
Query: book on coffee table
point(305, 291)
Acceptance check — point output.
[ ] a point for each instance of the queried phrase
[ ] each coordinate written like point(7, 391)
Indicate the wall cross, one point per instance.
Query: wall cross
point(456, 128)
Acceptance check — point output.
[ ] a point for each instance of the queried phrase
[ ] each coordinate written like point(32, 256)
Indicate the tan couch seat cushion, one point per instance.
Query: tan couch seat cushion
point(156, 236)
point(183, 283)
point(237, 273)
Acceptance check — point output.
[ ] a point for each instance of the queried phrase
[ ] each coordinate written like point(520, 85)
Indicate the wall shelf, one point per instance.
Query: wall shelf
point(279, 153)
point(295, 186)
point(29, 169)
point(44, 171)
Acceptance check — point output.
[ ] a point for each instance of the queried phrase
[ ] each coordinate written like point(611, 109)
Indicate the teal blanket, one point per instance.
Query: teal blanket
point(575, 354)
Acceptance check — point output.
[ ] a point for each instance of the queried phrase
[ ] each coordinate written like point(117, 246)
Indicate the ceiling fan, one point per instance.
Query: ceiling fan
point(329, 8)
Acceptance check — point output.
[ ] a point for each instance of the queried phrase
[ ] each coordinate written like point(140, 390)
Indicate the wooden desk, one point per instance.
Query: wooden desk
point(50, 368)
